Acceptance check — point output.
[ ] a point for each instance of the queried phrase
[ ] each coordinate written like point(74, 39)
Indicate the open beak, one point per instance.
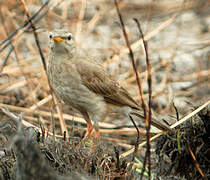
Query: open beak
point(57, 39)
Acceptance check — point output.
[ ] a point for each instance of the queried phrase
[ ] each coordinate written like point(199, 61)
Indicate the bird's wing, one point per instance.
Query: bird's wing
point(96, 79)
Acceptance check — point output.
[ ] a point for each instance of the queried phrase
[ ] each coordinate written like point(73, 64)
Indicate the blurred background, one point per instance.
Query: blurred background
point(177, 33)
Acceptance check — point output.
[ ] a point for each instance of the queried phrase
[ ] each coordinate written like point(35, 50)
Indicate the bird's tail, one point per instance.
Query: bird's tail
point(154, 121)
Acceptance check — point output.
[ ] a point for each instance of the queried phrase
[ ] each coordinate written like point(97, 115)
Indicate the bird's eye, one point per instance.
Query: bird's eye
point(50, 36)
point(69, 37)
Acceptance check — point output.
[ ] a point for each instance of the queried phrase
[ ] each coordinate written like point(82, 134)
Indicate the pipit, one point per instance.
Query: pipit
point(84, 84)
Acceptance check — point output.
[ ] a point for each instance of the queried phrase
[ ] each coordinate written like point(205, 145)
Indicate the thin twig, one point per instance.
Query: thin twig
point(176, 110)
point(56, 103)
point(36, 20)
point(35, 33)
point(10, 115)
point(48, 114)
point(149, 81)
point(136, 44)
point(17, 119)
point(6, 59)
point(15, 52)
point(196, 163)
point(11, 48)
point(172, 126)
point(132, 60)
point(137, 138)
point(23, 25)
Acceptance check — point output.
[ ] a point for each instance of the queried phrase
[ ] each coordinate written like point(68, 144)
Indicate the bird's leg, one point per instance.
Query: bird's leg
point(100, 116)
point(89, 129)
point(96, 137)
point(89, 125)
point(96, 127)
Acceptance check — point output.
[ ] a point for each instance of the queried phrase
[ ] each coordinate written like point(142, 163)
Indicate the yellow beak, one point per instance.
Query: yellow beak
point(57, 39)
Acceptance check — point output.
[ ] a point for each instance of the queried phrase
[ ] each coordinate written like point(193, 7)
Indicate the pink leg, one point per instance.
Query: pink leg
point(89, 129)
point(89, 125)
point(97, 134)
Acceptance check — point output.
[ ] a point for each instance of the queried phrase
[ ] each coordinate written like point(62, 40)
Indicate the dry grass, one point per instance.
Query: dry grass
point(178, 43)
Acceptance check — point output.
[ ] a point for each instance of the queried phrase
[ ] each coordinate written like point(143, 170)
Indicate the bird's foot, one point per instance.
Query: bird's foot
point(95, 141)
point(89, 130)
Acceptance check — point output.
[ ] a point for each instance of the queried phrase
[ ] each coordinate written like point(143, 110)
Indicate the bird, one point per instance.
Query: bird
point(84, 84)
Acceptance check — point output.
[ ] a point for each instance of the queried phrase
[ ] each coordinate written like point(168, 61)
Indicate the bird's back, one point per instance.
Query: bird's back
point(97, 80)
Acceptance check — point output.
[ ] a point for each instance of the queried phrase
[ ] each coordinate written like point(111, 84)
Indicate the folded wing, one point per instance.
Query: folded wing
point(96, 79)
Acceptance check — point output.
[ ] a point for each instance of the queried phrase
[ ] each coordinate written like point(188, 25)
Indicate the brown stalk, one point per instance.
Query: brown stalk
point(21, 27)
point(148, 120)
point(196, 163)
point(15, 52)
point(137, 139)
point(181, 121)
point(48, 114)
point(35, 33)
point(134, 67)
point(6, 59)
point(136, 44)
point(55, 101)
point(132, 60)
point(176, 110)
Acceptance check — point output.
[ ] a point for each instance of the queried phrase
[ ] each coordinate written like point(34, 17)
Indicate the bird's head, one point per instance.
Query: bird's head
point(61, 41)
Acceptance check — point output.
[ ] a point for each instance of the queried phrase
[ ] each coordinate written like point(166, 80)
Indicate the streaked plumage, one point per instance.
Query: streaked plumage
point(83, 83)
